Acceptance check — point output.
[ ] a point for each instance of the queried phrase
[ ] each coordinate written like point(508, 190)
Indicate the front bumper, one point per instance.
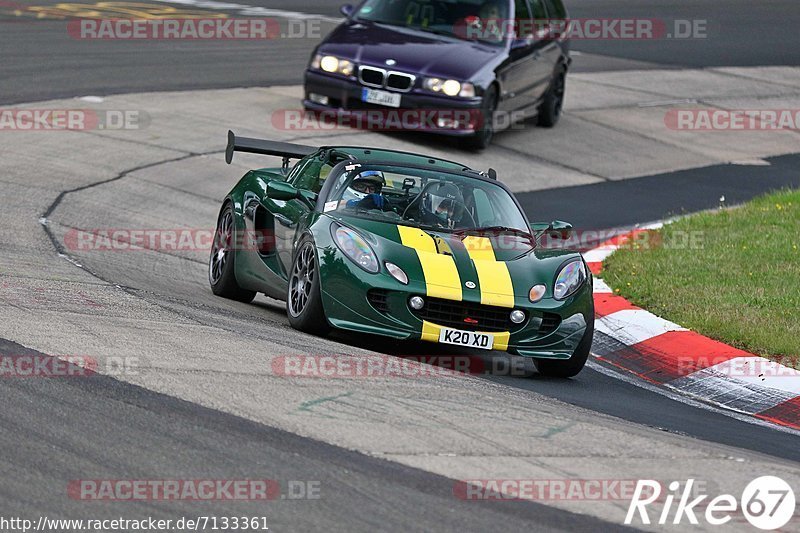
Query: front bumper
point(418, 110)
point(347, 306)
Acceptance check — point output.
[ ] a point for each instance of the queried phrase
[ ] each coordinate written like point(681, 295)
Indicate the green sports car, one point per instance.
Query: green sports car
point(401, 245)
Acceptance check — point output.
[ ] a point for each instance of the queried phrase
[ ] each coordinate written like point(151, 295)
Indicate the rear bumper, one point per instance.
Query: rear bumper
point(418, 111)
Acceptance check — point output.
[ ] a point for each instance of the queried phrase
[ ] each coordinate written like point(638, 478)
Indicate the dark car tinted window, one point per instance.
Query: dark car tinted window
point(435, 16)
point(538, 10)
point(556, 9)
point(522, 14)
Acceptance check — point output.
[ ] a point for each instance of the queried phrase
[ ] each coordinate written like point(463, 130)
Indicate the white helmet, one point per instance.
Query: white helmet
point(367, 182)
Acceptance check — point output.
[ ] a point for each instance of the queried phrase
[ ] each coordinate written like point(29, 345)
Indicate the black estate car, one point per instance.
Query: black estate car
point(471, 66)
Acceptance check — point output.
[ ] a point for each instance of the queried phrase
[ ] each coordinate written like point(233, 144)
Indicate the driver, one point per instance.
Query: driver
point(491, 20)
point(364, 191)
point(442, 205)
point(490, 10)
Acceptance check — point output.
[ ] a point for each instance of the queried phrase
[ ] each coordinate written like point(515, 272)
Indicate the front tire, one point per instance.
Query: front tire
point(304, 298)
point(482, 138)
point(567, 368)
point(551, 106)
point(221, 268)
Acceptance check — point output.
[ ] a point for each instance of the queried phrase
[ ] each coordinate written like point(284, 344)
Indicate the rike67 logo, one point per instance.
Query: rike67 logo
point(767, 502)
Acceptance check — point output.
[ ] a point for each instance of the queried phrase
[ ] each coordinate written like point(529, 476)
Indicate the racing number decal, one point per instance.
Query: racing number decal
point(420, 12)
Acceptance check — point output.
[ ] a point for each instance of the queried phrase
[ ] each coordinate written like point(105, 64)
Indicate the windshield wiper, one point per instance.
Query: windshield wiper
point(439, 32)
point(376, 21)
point(433, 30)
point(497, 229)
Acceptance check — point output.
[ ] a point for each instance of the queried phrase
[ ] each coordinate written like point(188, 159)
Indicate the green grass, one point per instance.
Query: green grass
point(732, 275)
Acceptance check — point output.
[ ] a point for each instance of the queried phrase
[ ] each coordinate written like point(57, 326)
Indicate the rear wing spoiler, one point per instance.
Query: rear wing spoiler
point(259, 146)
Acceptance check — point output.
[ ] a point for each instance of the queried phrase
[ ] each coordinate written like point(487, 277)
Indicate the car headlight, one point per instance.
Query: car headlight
point(333, 64)
point(569, 279)
point(449, 87)
point(356, 248)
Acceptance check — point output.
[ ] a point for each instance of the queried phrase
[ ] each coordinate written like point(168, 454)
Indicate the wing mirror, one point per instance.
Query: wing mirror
point(346, 10)
point(557, 229)
point(280, 190)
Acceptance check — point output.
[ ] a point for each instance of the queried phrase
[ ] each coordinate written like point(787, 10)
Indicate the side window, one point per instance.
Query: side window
point(311, 176)
point(539, 12)
point(297, 170)
point(523, 18)
point(324, 171)
point(556, 9)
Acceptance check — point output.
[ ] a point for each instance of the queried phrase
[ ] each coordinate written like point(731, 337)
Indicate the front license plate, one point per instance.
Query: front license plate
point(374, 96)
point(468, 339)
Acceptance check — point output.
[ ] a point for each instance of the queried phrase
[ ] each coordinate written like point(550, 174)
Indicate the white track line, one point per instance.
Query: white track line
point(632, 326)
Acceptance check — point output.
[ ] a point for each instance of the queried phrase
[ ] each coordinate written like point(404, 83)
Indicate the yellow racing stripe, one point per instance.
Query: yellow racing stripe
point(430, 332)
point(441, 275)
point(501, 340)
point(493, 275)
point(417, 239)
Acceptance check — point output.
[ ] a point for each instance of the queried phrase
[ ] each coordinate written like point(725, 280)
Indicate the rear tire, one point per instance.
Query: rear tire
point(482, 138)
point(221, 268)
point(567, 368)
point(304, 298)
point(550, 108)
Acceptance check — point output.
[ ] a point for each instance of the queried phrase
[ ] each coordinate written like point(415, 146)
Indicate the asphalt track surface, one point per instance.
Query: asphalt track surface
point(658, 197)
point(42, 61)
point(81, 426)
point(91, 421)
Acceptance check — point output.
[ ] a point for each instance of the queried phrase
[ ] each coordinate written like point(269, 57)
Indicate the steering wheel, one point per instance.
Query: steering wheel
point(417, 199)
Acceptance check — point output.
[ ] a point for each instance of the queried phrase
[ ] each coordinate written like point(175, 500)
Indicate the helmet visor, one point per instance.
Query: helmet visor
point(366, 186)
point(368, 182)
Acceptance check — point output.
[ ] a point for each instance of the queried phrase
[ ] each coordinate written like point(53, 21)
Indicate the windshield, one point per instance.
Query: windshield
point(423, 198)
point(444, 17)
